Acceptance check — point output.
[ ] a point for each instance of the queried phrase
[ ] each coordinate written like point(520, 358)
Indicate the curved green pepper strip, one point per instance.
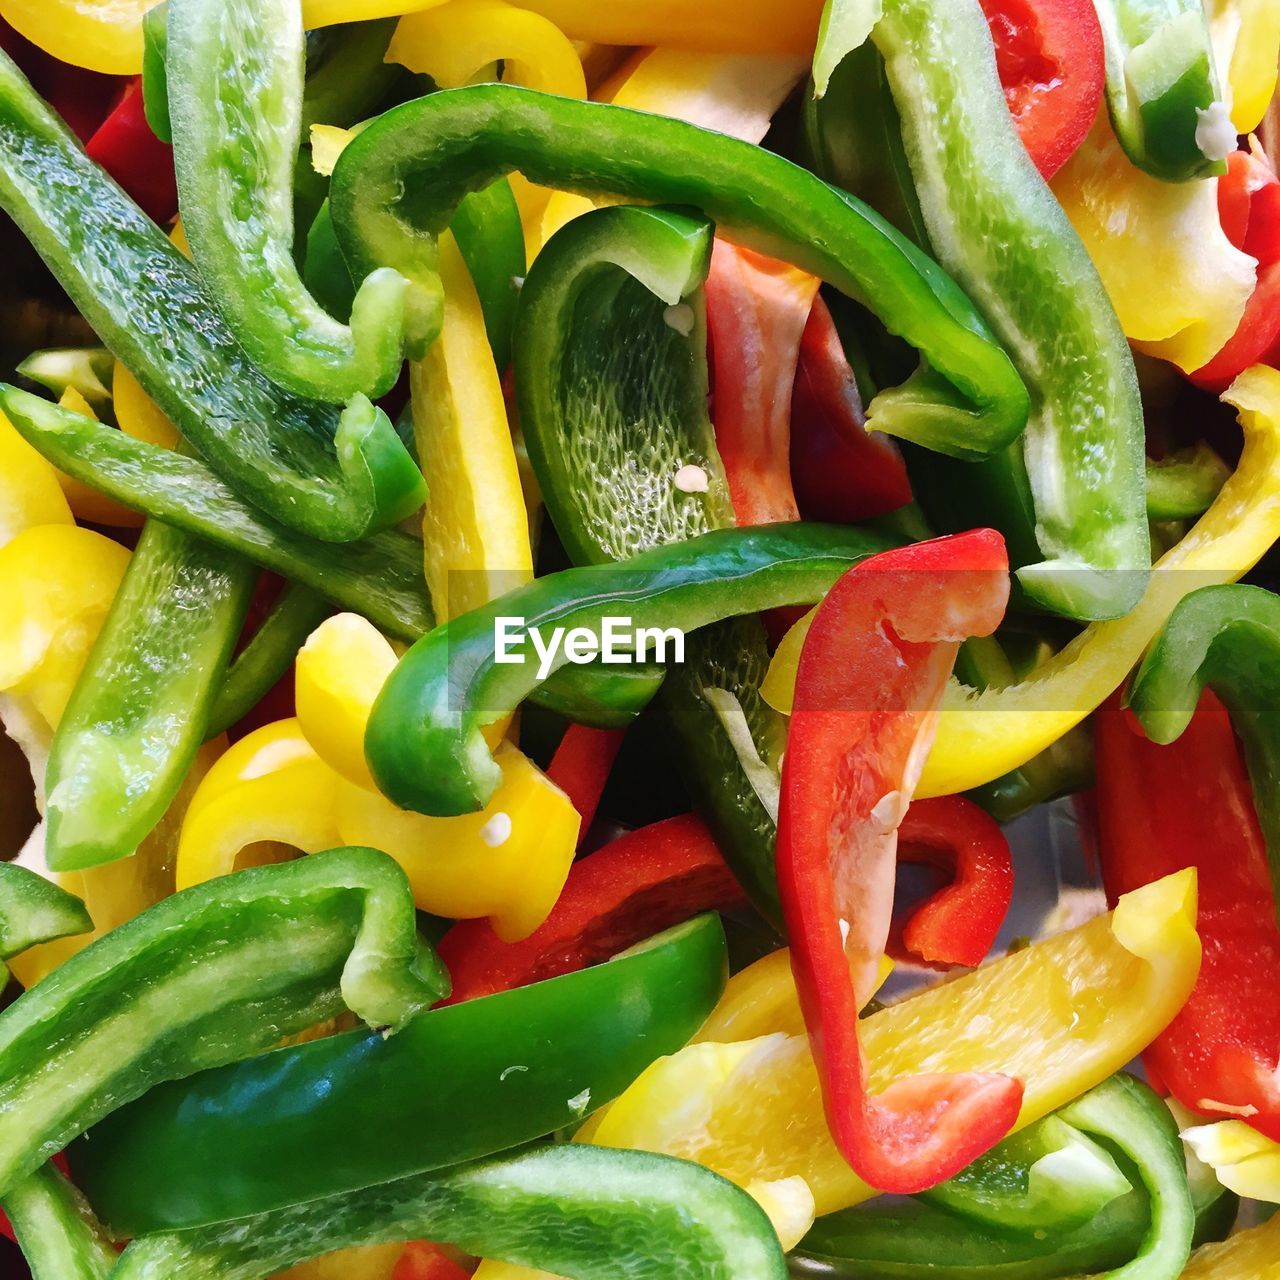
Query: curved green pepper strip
point(35, 910)
point(1161, 80)
point(424, 742)
point(1006, 240)
point(235, 70)
point(59, 1237)
point(613, 399)
point(138, 713)
point(335, 478)
point(1184, 485)
point(87, 369)
point(155, 75)
point(395, 188)
point(1226, 638)
point(456, 1084)
point(348, 76)
point(204, 977)
point(268, 655)
point(584, 1212)
point(1145, 1234)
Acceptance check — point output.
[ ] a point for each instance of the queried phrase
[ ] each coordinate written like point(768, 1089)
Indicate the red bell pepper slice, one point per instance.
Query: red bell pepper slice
point(640, 884)
point(1249, 208)
point(581, 767)
point(757, 309)
point(959, 923)
point(1050, 58)
point(841, 472)
point(869, 682)
point(1162, 809)
point(422, 1260)
point(143, 165)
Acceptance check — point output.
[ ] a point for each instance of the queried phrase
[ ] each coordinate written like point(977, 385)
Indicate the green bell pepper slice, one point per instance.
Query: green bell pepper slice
point(87, 369)
point(139, 711)
point(1184, 485)
point(1005, 239)
point(55, 1228)
point(396, 185)
point(456, 1084)
point(235, 70)
point(1161, 82)
point(424, 742)
point(155, 76)
point(1145, 1233)
point(334, 477)
point(584, 1212)
point(204, 977)
point(1225, 638)
point(267, 657)
point(35, 910)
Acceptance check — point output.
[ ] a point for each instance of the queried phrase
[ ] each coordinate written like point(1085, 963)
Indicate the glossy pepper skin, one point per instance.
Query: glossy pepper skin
point(235, 70)
point(33, 910)
point(127, 148)
point(587, 1213)
point(1189, 804)
point(335, 478)
point(296, 943)
point(222, 1146)
point(870, 678)
point(650, 878)
point(56, 1230)
point(424, 743)
point(140, 708)
point(1227, 639)
point(995, 233)
point(454, 141)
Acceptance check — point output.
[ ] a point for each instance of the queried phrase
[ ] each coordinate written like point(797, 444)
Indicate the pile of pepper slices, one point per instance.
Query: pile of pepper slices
point(913, 361)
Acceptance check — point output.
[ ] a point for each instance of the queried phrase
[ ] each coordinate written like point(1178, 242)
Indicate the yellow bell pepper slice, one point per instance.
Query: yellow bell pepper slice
point(58, 582)
point(30, 494)
point(1244, 1160)
point(87, 502)
point(339, 672)
point(475, 526)
point(1248, 1255)
point(1177, 283)
point(1246, 41)
point(984, 735)
point(713, 26)
point(1061, 1015)
point(372, 1262)
point(137, 414)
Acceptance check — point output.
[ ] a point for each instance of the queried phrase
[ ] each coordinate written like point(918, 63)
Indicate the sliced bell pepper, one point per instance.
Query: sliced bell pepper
point(87, 503)
point(1061, 1015)
point(756, 198)
point(869, 681)
point(339, 931)
point(1242, 1159)
point(1189, 804)
point(87, 369)
point(424, 744)
point(1166, 105)
point(1007, 243)
point(140, 708)
point(127, 148)
point(34, 910)
point(840, 471)
point(1183, 485)
point(1226, 639)
point(589, 1214)
point(1246, 1253)
point(381, 576)
point(757, 309)
point(335, 477)
point(645, 880)
point(423, 1261)
point(1049, 56)
point(502, 1071)
point(580, 768)
point(56, 1229)
point(30, 494)
point(1249, 206)
point(1176, 281)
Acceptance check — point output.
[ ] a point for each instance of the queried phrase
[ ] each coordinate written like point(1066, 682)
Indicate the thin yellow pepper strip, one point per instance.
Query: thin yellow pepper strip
point(86, 502)
point(475, 526)
point(1246, 42)
point(1247, 1255)
point(30, 494)
point(984, 735)
point(1061, 1016)
point(456, 41)
point(137, 414)
point(1177, 283)
point(1244, 1160)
